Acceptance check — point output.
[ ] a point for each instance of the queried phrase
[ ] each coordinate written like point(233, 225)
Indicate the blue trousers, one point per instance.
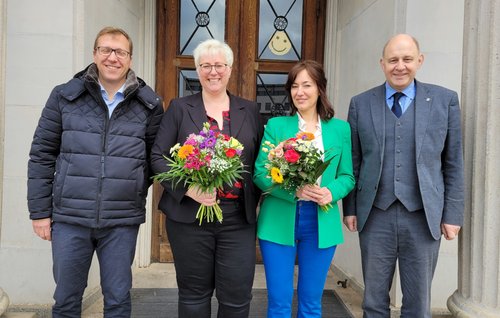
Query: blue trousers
point(73, 247)
point(313, 264)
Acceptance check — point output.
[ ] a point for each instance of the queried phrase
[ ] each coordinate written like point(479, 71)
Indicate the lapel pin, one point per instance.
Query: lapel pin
point(427, 99)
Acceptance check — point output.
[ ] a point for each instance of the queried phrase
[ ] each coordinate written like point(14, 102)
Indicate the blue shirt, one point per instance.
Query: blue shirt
point(119, 97)
point(405, 100)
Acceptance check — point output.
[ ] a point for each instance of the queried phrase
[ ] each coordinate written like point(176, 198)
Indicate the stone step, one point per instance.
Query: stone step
point(19, 315)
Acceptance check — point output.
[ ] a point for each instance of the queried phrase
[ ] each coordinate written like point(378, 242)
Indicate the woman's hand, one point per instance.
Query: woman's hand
point(206, 198)
point(315, 193)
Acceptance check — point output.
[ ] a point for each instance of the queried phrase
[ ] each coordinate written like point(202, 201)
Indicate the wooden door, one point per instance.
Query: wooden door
point(267, 37)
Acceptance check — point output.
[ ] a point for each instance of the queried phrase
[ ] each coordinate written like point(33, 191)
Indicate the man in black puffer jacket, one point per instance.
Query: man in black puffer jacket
point(88, 174)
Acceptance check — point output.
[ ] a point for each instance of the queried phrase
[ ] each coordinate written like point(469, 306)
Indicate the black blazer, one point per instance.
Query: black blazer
point(185, 116)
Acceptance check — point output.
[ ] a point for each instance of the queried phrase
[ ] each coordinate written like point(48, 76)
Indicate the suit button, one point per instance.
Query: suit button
point(397, 179)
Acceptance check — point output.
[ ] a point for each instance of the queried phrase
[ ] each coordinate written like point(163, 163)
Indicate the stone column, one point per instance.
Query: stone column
point(478, 293)
point(4, 300)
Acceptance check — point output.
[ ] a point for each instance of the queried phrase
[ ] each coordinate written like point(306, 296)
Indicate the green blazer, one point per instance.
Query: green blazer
point(276, 220)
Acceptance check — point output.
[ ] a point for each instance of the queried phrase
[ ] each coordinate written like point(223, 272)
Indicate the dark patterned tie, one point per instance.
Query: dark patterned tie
point(396, 107)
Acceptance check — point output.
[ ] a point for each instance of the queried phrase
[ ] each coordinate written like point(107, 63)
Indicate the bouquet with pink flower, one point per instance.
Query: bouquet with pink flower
point(207, 160)
point(295, 162)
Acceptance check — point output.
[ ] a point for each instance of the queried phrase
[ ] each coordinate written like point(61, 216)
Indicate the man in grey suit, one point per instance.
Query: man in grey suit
point(408, 165)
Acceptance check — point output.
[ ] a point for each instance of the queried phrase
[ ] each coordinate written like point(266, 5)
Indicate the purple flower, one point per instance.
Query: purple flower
point(208, 143)
point(207, 133)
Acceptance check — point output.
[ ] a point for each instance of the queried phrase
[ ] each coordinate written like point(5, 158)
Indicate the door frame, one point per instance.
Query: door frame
point(145, 66)
point(244, 85)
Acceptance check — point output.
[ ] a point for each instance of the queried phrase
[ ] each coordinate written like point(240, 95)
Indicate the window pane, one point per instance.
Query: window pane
point(271, 95)
point(189, 84)
point(280, 29)
point(201, 20)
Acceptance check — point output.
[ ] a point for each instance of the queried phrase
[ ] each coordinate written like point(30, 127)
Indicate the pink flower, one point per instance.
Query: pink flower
point(292, 156)
point(278, 151)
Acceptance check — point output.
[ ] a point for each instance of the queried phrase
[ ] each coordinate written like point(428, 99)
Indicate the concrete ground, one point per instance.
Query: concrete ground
point(162, 275)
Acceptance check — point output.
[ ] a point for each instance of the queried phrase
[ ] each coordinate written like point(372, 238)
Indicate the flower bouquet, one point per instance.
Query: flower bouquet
point(207, 160)
point(295, 162)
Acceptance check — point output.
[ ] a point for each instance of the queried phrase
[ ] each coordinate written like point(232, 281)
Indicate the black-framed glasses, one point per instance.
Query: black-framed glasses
point(207, 68)
point(106, 51)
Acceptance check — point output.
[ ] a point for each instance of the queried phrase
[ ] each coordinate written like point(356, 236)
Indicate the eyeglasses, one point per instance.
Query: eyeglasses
point(207, 68)
point(106, 51)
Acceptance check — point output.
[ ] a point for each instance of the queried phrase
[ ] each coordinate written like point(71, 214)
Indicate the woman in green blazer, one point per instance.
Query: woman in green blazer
point(293, 225)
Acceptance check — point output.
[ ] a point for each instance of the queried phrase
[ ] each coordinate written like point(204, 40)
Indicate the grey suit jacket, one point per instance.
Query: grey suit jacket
point(439, 156)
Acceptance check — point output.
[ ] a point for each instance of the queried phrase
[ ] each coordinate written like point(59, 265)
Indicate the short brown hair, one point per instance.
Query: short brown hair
point(315, 70)
point(113, 30)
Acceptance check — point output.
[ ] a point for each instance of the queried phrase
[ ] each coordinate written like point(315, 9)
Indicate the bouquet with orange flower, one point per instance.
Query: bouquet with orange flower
point(295, 162)
point(207, 160)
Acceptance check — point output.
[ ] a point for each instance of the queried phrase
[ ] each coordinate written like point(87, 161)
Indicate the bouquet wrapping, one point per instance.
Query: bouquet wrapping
point(207, 160)
point(295, 162)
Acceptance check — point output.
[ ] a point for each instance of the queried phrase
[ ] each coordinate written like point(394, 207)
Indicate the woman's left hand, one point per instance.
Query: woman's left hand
point(315, 193)
point(325, 196)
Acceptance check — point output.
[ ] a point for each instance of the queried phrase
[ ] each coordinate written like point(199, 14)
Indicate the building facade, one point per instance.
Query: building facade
point(44, 43)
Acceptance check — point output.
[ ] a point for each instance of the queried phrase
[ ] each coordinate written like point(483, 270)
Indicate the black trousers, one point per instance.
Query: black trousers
point(214, 256)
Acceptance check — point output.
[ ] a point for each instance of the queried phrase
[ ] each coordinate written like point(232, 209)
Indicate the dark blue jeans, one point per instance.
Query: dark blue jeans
point(73, 247)
point(313, 264)
point(214, 256)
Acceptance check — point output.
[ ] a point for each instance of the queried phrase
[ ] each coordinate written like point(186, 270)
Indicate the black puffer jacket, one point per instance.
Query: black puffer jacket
point(86, 168)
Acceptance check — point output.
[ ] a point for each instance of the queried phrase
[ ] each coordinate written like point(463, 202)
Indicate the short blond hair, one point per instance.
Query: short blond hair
point(114, 30)
point(213, 46)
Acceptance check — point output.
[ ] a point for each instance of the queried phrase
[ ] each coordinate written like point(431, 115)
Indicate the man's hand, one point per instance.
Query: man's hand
point(449, 231)
point(42, 228)
point(351, 222)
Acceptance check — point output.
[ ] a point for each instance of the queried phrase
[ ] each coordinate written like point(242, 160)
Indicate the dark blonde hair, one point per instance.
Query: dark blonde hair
point(116, 31)
point(315, 70)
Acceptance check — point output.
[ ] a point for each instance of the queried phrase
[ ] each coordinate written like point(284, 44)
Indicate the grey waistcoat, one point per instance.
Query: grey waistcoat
point(399, 180)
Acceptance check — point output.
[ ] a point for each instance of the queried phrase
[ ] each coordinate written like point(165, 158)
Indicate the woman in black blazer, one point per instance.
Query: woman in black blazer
point(212, 255)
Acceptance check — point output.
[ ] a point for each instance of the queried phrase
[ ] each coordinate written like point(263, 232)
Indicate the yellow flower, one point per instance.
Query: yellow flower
point(234, 143)
point(185, 151)
point(276, 175)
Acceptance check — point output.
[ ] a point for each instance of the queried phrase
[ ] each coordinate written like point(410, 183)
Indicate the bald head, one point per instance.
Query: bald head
point(401, 59)
point(399, 38)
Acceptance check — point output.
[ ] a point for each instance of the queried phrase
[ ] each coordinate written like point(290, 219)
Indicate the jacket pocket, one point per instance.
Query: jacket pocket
point(59, 179)
point(141, 187)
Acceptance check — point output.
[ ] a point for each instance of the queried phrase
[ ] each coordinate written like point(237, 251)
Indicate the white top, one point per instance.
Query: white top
point(318, 138)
